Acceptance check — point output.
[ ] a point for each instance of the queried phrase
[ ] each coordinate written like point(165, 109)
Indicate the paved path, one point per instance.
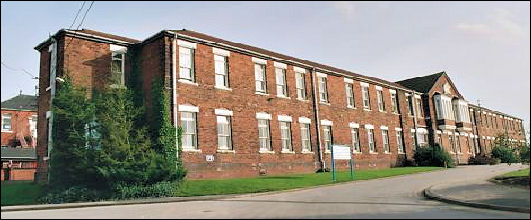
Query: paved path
point(484, 192)
point(396, 197)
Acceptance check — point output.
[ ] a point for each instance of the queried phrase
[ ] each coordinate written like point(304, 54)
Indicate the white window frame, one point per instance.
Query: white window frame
point(5, 116)
point(385, 140)
point(306, 142)
point(381, 102)
point(349, 90)
point(370, 139)
point(183, 56)
point(225, 73)
point(323, 90)
point(282, 85)
point(399, 141)
point(122, 68)
point(285, 138)
point(365, 94)
point(224, 120)
point(300, 85)
point(263, 73)
point(327, 136)
point(185, 131)
point(394, 101)
point(266, 138)
point(355, 134)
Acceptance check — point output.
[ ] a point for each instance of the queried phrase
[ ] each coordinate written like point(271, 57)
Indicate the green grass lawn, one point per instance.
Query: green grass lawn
point(273, 183)
point(20, 193)
point(518, 173)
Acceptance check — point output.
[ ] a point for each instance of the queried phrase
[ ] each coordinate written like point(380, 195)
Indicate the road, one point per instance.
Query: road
point(395, 197)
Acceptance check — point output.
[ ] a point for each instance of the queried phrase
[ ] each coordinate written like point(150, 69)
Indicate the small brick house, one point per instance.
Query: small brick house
point(247, 111)
point(19, 137)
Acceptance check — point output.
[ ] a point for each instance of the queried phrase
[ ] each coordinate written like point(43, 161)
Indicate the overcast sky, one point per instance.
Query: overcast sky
point(483, 46)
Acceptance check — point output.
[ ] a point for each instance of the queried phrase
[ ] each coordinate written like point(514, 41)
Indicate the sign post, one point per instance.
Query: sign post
point(341, 152)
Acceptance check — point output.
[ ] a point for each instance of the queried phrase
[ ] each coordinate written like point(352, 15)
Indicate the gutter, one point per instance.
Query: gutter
point(85, 36)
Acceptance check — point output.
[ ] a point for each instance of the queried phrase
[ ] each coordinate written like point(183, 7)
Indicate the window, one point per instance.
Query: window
point(263, 135)
point(189, 130)
point(394, 103)
point(92, 135)
point(418, 103)
point(470, 142)
point(6, 122)
point(355, 140)
point(413, 140)
point(327, 136)
point(282, 88)
point(350, 95)
point(224, 132)
point(305, 137)
point(323, 95)
point(186, 63)
point(285, 133)
point(385, 140)
point(452, 142)
point(221, 68)
point(365, 94)
point(260, 76)
point(400, 142)
point(300, 85)
point(410, 104)
point(439, 139)
point(381, 103)
point(33, 126)
point(372, 145)
point(117, 69)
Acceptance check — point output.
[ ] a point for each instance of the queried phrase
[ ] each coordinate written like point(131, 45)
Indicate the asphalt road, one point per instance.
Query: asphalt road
point(395, 197)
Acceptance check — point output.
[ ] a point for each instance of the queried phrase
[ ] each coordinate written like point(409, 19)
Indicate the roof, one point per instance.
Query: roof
point(422, 83)
point(18, 153)
point(90, 34)
point(106, 35)
point(497, 112)
point(281, 56)
point(21, 102)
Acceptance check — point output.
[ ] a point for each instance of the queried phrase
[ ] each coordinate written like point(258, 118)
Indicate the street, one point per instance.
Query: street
point(395, 197)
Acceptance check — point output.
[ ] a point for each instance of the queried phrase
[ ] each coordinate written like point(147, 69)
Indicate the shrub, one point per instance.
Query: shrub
point(433, 156)
point(505, 154)
point(483, 159)
point(74, 194)
point(524, 153)
point(160, 189)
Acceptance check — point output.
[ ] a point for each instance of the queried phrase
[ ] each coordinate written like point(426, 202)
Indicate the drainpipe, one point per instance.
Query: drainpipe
point(413, 110)
point(174, 88)
point(317, 121)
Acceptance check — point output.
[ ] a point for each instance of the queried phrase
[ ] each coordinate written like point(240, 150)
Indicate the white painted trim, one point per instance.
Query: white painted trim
point(284, 118)
point(348, 80)
point(280, 65)
point(188, 108)
point(369, 126)
point(392, 91)
point(464, 134)
point(327, 122)
point(304, 120)
point(364, 84)
point(398, 129)
point(475, 136)
point(417, 96)
point(220, 52)
point(263, 115)
point(438, 132)
point(354, 125)
point(118, 48)
point(450, 133)
point(258, 60)
point(378, 88)
point(224, 112)
point(422, 130)
point(48, 114)
point(299, 70)
point(412, 130)
point(186, 44)
point(321, 75)
point(384, 127)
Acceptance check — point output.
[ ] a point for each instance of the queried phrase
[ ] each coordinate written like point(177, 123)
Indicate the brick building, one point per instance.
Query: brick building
point(248, 111)
point(19, 137)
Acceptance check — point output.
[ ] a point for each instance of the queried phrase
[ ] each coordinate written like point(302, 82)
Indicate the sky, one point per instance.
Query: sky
point(483, 46)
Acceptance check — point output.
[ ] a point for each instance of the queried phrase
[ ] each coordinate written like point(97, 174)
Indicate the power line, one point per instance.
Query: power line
point(77, 15)
point(82, 20)
point(23, 70)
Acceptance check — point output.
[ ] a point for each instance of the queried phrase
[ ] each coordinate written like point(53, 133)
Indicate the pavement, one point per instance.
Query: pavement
point(482, 194)
point(394, 197)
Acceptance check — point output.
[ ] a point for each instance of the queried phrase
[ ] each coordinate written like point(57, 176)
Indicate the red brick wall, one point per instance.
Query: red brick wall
point(19, 125)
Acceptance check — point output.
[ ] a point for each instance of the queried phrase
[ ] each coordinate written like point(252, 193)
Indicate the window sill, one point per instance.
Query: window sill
point(223, 88)
point(261, 93)
point(395, 113)
point(192, 150)
point(351, 107)
point(266, 152)
point(356, 152)
point(48, 88)
point(225, 151)
point(366, 109)
point(373, 152)
point(283, 97)
point(7, 131)
point(187, 82)
point(287, 152)
point(324, 103)
point(307, 152)
point(382, 111)
point(303, 100)
point(388, 153)
point(327, 151)
point(401, 153)
point(116, 86)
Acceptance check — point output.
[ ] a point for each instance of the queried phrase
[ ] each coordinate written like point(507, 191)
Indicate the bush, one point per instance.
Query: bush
point(74, 194)
point(160, 189)
point(505, 154)
point(433, 156)
point(482, 160)
point(524, 153)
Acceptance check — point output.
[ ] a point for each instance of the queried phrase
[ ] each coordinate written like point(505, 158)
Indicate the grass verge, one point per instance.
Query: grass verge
point(293, 181)
point(20, 193)
point(519, 178)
